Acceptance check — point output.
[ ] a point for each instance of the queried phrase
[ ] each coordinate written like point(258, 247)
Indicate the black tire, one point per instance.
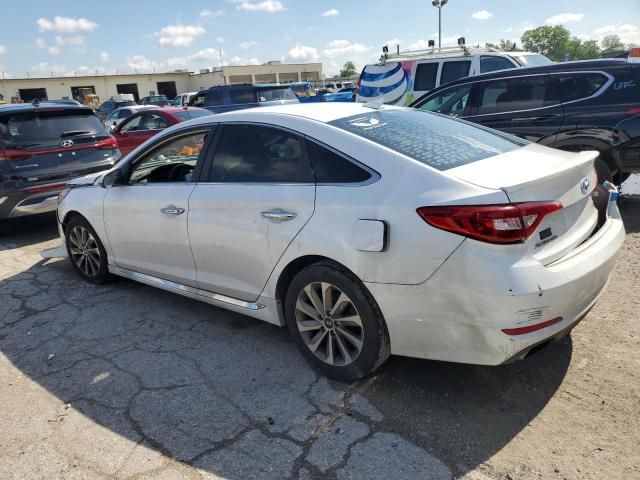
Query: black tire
point(91, 262)
point(375, 347)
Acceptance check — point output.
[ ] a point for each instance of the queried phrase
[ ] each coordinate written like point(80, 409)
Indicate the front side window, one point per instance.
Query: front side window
point(451, 101)
point(174, 161)
point(198, 100)
point(240, 96)
point(441, 143)
point(257, 154)
point(131, 125)
point(454, 70)
point(514, 94)
point(426, 74)
point(330, 167)
point(579, 85)
point(153, 121)
point(490, 63)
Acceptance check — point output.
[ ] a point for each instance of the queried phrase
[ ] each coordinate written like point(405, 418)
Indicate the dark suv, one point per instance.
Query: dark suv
point(237, 97)
point(104, 110)
point(589, 105)
point(44, 145)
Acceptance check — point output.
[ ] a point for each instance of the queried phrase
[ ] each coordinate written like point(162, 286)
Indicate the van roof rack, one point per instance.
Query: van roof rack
point(433, 52)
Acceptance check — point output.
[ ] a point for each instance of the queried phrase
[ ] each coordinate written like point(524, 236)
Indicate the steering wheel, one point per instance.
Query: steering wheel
point(179, 172)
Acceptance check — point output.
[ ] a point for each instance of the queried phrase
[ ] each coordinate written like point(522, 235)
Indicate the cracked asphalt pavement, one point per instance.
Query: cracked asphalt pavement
point(126, 381)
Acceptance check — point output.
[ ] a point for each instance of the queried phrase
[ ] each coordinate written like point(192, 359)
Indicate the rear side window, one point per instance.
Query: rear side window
point(256, 154)
point(215, 97)
point(198, 100)
point(26, 129)
point(489, 63)
point(425, 76)
point(330, 167)
point(454, 70)
point(239, 96)
point(578, 86)
point(436, 141)
point(515, 94)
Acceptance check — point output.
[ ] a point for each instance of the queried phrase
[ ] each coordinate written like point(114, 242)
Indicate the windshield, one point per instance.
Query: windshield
point(24, 129)
point(534, 60)
point(275, 94)
point(191, 114)
point(439, 142)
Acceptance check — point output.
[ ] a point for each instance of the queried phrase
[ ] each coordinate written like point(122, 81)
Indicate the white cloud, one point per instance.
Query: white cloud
point(104, 57)
point(482, 15)
point(562, 18)
point(270, 6)
point(627, 32)
point(55, 50)
point(243, 61)
point(75, 41)
point(248, 45)
point(219, 39)
point(211, 13)
point(206, 54)
point(178, 35)
point(66, 25)
point(140, 62)
point(44, 67)
point(337, 48)
point(84, 70)
point(332, 12)
point(302, 53)
point(3, 49)
point(424, 44)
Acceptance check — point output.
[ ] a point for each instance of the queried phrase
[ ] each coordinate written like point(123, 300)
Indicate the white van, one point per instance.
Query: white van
point(400, 78)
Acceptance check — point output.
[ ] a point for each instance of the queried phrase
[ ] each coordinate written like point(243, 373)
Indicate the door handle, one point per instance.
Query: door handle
point(279, 214)
point(172, 210)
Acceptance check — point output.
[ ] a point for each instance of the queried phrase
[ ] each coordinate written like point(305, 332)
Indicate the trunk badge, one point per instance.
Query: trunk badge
point(66, 143)
point(584, 186)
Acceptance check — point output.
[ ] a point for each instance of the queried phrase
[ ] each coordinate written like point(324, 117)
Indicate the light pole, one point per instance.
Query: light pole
point(439, 4)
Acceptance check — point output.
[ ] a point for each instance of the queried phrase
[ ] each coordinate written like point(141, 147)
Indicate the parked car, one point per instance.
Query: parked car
point(157, 100)
point(104, 110)
point(588, 105)
point(338, 86)
point(401, 78)
point(141, 126)
point(119, 115)
point(237, 97)
point(43, 146)
point(318, 217)
point(182, 100)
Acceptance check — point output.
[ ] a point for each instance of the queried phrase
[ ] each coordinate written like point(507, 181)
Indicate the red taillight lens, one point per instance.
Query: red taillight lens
point(531, 328)
point(501, 224)
point(107, 144)
point(14, 155)
point(632, 111)
point(46, 188)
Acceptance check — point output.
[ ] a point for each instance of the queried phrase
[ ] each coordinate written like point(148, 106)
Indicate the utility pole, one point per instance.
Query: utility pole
point(439, 4)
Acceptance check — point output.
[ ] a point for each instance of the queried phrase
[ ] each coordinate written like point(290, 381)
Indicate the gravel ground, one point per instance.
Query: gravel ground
point(126, 381)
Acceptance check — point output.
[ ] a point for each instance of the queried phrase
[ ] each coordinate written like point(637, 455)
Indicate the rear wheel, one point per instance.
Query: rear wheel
point(335, 322)
point(86, 252)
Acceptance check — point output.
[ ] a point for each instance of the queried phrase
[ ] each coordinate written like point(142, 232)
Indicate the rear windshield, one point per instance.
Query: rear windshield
point(24, 129)
point(191, 114)
point(275, 94)
point(432, 139)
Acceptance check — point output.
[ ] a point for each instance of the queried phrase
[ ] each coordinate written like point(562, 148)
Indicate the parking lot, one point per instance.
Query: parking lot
point(127, 381)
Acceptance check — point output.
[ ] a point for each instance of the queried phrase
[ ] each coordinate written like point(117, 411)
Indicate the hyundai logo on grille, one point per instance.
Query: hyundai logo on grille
point(584, 186)
point(66, 143)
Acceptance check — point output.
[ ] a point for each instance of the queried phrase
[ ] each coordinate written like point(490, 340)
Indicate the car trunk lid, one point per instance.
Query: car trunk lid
point(539, 174)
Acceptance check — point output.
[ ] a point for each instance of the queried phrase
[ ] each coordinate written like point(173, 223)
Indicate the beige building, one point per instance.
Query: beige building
point(169, 84)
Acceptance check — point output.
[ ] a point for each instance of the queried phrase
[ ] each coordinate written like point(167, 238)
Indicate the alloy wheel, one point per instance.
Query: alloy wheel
point(329, 324)
point(84, 251)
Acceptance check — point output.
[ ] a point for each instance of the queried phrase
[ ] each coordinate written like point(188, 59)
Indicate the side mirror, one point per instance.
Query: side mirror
point(112, 178)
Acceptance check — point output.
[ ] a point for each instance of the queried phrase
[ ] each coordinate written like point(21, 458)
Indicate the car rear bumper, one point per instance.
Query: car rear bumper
point(460, 313)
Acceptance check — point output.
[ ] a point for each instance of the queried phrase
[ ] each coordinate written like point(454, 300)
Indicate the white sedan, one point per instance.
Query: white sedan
point(366, 231)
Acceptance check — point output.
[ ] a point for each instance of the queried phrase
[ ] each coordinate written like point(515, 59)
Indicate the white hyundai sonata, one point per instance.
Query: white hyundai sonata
point(366, 231)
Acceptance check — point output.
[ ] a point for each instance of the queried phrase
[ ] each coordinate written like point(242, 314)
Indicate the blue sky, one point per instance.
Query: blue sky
point(69, 36)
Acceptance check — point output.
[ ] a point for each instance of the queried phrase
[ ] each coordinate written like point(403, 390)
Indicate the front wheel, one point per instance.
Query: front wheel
point(86, 252)
point(335, 322)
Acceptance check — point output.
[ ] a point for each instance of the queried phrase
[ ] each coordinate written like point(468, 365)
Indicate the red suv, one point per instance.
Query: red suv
point(143, 125)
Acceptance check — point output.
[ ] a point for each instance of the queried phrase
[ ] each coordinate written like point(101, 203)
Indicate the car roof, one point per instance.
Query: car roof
point(45, 105)
point(249, 85)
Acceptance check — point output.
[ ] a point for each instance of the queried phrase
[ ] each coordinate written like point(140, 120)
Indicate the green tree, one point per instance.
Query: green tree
point(505, 46)
point(612, 42)
point(348, 70)
point(579, 50)
point(547, 40)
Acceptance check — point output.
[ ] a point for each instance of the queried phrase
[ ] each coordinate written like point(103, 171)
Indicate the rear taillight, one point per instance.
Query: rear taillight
point(46, 188)
point(107, 144)
point(14, 155)
point(501, 224)
point(632, 111)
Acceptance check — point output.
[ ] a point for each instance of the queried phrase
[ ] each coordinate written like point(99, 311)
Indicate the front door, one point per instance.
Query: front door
point(258, 194)
point(525, 106)
point(146, 218)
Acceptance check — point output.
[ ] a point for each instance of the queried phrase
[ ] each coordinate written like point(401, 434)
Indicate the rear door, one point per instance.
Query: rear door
point(526, 106)
point(256, 196)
